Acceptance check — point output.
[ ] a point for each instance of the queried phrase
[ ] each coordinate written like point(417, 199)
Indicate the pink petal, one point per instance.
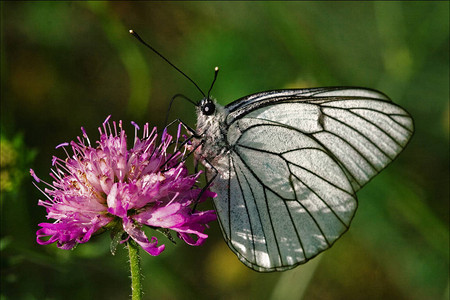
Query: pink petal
point(165, 217)
point(114, 204)
point(139, 236)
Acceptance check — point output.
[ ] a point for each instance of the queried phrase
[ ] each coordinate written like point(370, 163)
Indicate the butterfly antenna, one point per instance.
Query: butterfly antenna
point(216, 71)
point(134, 33)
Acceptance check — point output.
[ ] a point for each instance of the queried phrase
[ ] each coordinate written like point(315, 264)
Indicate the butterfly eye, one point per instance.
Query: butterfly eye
point(208, 108)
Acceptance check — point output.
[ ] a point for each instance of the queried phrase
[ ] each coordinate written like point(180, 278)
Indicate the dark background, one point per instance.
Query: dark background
point(70, 64)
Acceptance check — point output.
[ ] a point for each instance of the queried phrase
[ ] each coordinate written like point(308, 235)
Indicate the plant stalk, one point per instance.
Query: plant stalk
point(135, 269)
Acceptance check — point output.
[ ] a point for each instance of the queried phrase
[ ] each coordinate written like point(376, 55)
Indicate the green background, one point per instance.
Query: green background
point(70, 64)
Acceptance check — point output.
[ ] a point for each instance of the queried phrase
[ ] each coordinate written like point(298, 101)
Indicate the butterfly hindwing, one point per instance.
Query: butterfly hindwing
point(282, 208)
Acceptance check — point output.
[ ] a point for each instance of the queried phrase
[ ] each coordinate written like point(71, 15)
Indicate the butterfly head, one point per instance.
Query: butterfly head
point(207, 106)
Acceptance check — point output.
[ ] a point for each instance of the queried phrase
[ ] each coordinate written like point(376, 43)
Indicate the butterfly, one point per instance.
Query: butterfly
point(286, 165)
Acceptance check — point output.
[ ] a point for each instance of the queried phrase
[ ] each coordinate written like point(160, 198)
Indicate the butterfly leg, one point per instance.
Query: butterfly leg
point(209, 182)
point(187, 127)
point(208, 165)
point(170, 105)
point(180, 146)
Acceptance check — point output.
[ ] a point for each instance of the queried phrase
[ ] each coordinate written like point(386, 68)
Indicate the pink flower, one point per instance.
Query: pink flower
point(111, 187)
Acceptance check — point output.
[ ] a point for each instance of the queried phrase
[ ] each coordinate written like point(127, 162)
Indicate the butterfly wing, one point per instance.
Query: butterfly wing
point(286, 190)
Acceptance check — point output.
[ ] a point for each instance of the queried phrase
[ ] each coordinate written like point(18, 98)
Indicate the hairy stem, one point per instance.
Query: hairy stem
point(135, 268)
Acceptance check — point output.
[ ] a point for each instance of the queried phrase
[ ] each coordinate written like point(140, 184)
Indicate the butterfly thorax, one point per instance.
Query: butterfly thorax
point(213, 134)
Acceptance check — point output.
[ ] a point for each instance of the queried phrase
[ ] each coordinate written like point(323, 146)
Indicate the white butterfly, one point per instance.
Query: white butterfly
point(286, 165)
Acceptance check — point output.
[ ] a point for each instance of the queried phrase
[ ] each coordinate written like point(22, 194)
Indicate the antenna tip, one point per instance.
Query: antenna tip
point(216, 69)
point(134, 33)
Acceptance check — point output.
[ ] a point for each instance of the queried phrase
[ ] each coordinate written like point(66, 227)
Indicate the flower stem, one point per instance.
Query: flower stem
point(135, 268)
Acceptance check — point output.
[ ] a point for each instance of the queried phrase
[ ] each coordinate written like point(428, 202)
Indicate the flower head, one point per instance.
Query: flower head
point(111, 187)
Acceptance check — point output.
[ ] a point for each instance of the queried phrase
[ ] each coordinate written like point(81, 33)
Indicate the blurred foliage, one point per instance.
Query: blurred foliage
point(15, 160)
point(70, 64)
